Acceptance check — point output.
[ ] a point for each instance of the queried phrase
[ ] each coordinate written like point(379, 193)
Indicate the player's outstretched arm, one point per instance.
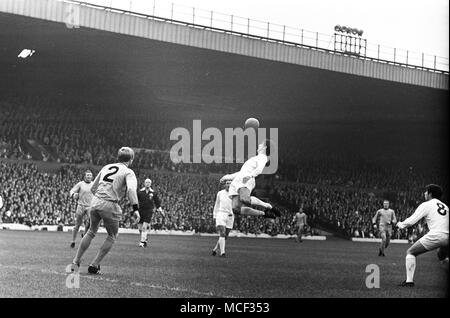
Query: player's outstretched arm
point(414, 218)
point(228, 177)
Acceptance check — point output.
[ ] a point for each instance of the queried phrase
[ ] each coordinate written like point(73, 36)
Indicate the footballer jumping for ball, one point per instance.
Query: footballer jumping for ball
point(243, 183)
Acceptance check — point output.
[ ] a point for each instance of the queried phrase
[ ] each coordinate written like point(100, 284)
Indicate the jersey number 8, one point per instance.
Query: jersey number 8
point(441, 209)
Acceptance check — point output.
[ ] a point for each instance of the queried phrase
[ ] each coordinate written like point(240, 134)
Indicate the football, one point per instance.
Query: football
point(251, 123)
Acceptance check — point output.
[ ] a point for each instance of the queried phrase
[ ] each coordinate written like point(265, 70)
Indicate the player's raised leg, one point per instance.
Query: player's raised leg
point(241, 204)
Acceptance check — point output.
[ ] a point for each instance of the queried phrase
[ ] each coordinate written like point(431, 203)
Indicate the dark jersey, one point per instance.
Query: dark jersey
point(148, 200)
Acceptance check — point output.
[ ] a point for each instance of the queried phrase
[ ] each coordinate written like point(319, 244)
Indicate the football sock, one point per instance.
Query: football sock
point(382, 246)
point(75, 230)
point(144, 232)
point(222, 245)
point(104, 249)
point(410, 262)
point(84, 245)
point(258, 202)
point(217, 245)
point(251, 212)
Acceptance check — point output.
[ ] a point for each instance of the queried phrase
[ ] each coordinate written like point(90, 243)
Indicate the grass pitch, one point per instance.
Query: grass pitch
point(32, 264)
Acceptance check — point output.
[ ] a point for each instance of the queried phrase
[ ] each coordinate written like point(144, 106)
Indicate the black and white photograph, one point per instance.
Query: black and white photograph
point(233, 150)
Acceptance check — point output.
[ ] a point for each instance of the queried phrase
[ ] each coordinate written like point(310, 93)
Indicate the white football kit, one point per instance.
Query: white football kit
point(252, 168)
point(223, 212)
point(436, 215)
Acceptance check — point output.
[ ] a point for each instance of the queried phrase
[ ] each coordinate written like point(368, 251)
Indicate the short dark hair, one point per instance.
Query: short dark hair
point(435, 190)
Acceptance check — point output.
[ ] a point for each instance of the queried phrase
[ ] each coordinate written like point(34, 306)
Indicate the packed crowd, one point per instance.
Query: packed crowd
point(338, 186)
point(35, 198)
point(89, 135)
point(350, 212)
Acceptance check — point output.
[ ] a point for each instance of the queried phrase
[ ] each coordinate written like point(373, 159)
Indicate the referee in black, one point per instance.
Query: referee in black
point(148, 201)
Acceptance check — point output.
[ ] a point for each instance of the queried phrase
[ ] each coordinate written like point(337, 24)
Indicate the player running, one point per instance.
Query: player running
point(81, 192)
point(243, 183)
point(300, 222)
point(387, 218)
point(111, 184)
point(435, 213)
point(148, 200)
point(223, 214)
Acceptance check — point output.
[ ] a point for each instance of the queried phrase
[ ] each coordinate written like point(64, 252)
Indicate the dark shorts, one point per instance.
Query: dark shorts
point(146, 216)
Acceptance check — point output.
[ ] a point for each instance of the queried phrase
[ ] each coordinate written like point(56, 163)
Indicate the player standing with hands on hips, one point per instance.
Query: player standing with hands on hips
point(111, 184)
point(435, 213)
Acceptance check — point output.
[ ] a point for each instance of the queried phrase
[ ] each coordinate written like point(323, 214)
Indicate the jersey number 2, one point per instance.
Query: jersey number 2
point(441, 209)
point(106, 177)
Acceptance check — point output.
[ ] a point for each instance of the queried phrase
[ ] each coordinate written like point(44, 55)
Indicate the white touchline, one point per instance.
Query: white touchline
point(116, 281)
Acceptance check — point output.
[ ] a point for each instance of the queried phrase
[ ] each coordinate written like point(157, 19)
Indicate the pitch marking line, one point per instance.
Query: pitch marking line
point(116, 281)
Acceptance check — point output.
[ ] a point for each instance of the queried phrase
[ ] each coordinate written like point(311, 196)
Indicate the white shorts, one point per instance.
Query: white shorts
point(238, 183)
point(224, 219)
point(432, 241)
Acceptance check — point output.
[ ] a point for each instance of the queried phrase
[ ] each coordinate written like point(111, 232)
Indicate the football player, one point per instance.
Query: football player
point(243, 183)
point(112, 183)
point(82, 193)
point(387, 218)
point(223, 214)
point(435, 213)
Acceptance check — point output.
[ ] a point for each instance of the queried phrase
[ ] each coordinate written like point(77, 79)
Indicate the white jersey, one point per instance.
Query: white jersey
point(113, 181)
point(253, 167)
point(223, 212)
point(223, 203)
point(435, 213)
